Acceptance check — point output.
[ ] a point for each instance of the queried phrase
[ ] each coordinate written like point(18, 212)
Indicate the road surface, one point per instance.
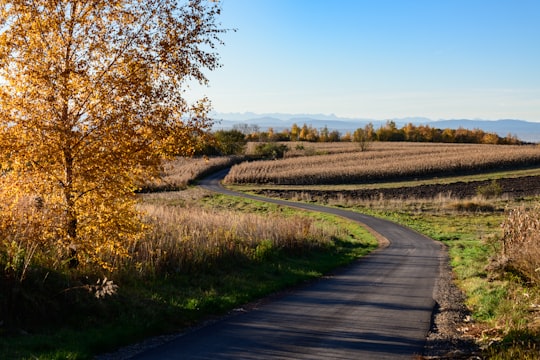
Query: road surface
point(380, 307)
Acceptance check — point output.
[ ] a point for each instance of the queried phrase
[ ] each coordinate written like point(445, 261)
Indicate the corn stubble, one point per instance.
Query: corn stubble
point(385, 161)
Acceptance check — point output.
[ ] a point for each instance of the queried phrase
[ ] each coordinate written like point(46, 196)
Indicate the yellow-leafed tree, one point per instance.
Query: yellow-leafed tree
point(92, 98)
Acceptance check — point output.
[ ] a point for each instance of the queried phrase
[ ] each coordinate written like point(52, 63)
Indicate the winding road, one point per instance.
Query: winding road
point(380, 307)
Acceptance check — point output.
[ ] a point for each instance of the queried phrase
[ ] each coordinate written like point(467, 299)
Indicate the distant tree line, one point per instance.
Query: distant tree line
point(229, 142)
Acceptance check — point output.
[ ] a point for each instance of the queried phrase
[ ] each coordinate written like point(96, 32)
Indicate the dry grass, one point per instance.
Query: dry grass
point(177, 174)
point(520, 251)
point(385, 161)
point(190, 238)
point(26, 231)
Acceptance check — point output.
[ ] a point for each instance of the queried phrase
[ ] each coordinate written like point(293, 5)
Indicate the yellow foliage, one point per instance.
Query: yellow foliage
point(90, 103)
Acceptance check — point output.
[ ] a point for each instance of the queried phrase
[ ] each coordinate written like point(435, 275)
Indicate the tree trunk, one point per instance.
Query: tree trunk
point(70, 225)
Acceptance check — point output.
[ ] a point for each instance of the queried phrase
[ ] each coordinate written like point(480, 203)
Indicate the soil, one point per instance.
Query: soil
point(513, 187)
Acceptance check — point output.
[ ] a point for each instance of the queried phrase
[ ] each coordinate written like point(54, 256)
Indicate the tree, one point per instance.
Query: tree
point(230, 142)
point(91, 100)
point(363, 137)
point(295, 132)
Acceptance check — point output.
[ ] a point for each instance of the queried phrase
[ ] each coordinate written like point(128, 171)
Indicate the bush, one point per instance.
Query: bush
point(271, 150)
point(490, 190)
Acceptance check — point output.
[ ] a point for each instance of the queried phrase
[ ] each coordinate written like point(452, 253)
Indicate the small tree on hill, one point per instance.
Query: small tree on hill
point(363, 136)
point(91, 100)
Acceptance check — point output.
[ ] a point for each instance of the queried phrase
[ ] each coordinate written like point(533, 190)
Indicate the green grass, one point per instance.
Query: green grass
point(169, 303)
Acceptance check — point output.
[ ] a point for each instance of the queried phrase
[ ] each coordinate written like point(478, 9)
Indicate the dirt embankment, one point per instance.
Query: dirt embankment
point(513, 187)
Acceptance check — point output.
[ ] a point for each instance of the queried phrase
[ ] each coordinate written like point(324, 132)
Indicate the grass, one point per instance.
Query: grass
point(158, 303)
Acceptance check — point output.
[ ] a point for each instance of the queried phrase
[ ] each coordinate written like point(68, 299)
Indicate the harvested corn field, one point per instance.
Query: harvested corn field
point(386, 162)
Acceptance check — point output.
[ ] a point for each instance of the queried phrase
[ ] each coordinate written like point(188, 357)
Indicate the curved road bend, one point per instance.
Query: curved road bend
point(380, 307)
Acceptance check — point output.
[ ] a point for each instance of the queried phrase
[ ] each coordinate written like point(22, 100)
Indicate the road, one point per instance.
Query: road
point(380, 307)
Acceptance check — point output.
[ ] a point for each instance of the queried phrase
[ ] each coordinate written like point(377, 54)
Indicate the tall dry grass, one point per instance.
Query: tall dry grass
point(190, 238)
point(27, 230)
point(520, 244)
point(178, 173)
point(384, 161)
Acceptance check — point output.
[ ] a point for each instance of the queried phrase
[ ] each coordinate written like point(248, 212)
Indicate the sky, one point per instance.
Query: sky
point(379, 59)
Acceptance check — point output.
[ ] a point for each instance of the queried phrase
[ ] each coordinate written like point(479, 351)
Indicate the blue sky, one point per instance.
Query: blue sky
point(380, 59)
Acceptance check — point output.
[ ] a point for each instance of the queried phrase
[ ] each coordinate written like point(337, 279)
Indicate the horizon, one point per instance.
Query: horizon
point(379, 59)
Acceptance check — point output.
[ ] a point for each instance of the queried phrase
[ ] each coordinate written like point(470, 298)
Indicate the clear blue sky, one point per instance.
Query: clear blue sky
point(380, 59)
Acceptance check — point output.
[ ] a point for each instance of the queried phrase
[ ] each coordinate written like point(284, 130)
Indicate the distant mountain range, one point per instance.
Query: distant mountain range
point(523, 130)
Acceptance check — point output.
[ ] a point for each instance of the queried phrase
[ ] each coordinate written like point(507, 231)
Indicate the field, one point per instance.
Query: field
point(203, 253)
point(382, 162)
point(179, 173)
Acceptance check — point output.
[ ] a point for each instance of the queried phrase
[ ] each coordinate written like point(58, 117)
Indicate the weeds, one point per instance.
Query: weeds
point(490, 190)
point(520, 250)
point(193, 239)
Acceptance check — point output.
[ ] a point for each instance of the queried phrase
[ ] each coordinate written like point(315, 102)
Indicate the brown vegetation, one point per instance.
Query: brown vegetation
point(180, 172)
point(185, 239)
point(385, 161)
point(520, 250)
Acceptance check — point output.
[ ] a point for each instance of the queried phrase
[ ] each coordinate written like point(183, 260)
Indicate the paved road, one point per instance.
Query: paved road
point(378, 308)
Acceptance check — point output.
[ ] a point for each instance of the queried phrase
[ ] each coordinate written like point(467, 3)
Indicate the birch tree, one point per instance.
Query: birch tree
point(92, 98)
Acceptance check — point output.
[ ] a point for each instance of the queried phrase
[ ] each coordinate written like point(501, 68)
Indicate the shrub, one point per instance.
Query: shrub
point(271, 150)
point(490, 190)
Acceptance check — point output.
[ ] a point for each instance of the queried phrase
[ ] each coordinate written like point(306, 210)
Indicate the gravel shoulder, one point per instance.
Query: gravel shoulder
point(448, 338)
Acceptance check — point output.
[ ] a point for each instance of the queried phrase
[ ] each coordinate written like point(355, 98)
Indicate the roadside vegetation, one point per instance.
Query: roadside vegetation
point(201, 256)
point(501, 285)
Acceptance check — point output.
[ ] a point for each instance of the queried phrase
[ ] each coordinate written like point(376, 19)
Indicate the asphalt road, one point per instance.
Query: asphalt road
point(380, 307)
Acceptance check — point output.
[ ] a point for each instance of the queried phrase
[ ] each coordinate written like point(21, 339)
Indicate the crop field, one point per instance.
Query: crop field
point(301, 148)
point(385, 162)
point(178, 173)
